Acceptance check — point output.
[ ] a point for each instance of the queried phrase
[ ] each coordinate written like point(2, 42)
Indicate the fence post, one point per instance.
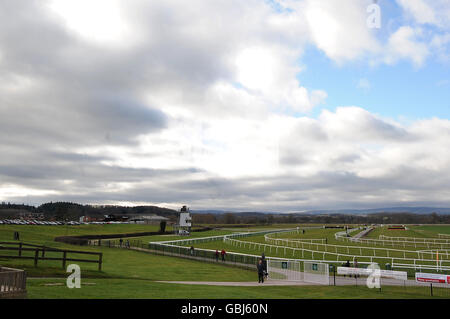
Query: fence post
point(20, 249)
point(36, 256)
point(334, 275)
point(64, 260)
point(431, 289)
point(100, 260)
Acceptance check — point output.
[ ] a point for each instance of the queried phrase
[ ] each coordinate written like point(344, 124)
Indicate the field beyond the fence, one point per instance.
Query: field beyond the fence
point(127, 273)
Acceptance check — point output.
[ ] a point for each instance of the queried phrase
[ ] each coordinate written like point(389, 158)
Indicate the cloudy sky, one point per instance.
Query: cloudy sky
point(225, 104)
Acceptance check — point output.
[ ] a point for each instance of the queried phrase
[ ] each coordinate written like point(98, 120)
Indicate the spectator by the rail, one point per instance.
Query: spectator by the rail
point(355, 265)
point(127, 243)
point(346, 264)
point(120, 242)
point(223, 253)
point(217, 255)
point(192, 250)
point(260, 269)
point(264, 263)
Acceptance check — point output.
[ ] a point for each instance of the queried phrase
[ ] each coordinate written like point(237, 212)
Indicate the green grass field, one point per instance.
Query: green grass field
point(132, 274)
point(138, 289)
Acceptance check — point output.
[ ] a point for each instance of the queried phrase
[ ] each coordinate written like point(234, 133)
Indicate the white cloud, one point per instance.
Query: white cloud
point(340, 30)
point(404, 44)
point(364, 84)
point(98, 21)
point(195, 104)
point(440, 44)
point(355, 141)
point(433, 16)
point(434, 12)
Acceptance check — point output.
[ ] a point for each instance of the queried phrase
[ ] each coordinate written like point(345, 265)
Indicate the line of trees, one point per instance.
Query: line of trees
point(68, 210)
point(374, 218)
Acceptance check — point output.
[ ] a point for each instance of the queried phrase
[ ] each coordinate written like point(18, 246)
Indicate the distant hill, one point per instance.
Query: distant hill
point(67, 210)
point(411, 210)
point(213, 211)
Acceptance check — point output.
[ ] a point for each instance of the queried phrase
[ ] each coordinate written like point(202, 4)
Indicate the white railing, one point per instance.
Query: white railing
point(416, 239)
point(323, 252)
point(373, 251)
point(183, 242)
point(421, 259)
point(394, 243)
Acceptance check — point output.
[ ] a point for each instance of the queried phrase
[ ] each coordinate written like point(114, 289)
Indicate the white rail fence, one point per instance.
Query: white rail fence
point(315, 249)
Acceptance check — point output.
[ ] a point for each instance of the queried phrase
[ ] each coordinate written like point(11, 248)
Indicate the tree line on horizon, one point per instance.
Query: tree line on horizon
point(72, 211)
point(373, 218)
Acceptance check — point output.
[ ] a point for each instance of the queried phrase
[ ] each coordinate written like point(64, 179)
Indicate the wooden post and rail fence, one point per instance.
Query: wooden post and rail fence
point(20, 250)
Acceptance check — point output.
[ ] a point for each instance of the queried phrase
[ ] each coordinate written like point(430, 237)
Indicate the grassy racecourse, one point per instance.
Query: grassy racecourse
point(137, 289)
point(132, 274)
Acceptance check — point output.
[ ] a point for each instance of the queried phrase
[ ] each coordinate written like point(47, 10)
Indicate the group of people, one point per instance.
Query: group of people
point(222, 253)
point(355, 265)
point(217, 254)
point(127, 243)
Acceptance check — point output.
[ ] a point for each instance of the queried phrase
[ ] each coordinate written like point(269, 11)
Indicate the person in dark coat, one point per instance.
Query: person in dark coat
point(260, 268)
point(355, 265)
point(223, 253)
point(217, 255)
point(264, 263)
point(347, 264)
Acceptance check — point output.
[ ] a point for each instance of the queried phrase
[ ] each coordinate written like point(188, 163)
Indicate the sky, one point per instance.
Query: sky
point(253, 105)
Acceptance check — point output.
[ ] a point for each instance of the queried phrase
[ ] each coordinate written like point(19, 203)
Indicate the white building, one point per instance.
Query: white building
point(184, 223)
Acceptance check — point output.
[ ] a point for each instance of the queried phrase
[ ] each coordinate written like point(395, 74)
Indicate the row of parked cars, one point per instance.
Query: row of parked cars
point(35, 222)
point(43, 222)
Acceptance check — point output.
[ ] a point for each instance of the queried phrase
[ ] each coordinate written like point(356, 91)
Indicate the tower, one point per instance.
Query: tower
point(184, 223)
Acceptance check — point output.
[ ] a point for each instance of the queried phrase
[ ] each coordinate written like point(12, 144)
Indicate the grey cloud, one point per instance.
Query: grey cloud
point(284, 193)
point(82, 95)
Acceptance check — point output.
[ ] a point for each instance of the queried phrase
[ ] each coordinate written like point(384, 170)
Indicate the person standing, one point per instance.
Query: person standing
point(347, 264)
point(264, 263)
point(223, 253)
point(355, 265)
point(260, 269)
point(217, 255)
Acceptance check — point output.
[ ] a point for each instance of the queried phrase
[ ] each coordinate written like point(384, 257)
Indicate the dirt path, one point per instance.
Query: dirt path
point(243, 284)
